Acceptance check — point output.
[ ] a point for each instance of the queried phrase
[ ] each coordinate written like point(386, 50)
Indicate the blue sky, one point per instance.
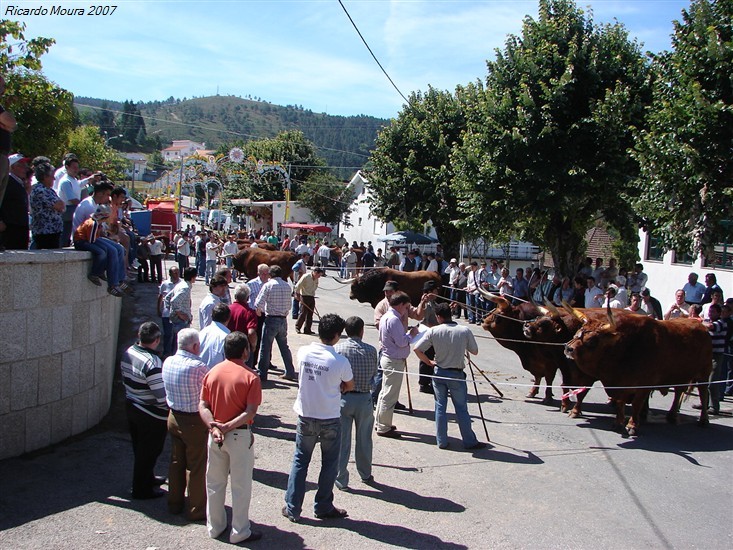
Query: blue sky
point(297, 52)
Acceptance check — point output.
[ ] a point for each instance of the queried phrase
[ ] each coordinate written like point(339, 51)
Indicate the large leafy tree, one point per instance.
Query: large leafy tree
point(686, 156)
point(327, 198)
point(44, 111)
point(291, 150)
point(411, 171)
point(89, 146)
point(545, 152)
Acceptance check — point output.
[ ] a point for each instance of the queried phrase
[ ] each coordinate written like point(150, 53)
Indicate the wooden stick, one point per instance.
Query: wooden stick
point(478, 399)
point(482, 373)
point(409, 394)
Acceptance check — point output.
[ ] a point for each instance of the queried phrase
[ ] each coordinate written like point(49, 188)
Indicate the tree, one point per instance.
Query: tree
point(410, 169)
point(89, 146)
point(132, 125)
point(289, 149)
point(545, 152)
point(44, 111)
point(106, 121)
point(327, 198)
point(685, 156)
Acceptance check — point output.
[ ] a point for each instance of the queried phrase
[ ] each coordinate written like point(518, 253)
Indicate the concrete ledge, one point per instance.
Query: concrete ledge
point(59, 343)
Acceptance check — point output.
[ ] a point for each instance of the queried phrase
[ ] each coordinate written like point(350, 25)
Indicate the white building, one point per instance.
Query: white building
point(364, 226)
point(181, 148)
point(668, 271)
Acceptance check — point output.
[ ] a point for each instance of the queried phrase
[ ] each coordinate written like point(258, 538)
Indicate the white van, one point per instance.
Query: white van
point(217, 219)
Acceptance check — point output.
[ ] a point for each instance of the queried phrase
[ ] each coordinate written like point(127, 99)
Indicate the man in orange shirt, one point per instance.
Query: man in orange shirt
point(230, 396)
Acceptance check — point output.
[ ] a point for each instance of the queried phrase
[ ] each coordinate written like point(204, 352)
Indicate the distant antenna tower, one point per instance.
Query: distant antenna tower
point(217, 89)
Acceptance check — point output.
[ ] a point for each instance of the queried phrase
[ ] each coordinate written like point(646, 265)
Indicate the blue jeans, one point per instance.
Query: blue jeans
point(99, 256)
point(167, 336)
point(177, 326)
point(276, 328)
point(471, 303)
point(296, 309)
point(115, 260)
point(210, 270)
point(356, 408)
point(200, 264)
point(309, 432)
point(459, 394)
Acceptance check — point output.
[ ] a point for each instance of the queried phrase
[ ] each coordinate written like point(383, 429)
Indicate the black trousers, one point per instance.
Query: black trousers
point(156, 268)
point(48, 241)
point(15, 237)
point(426, 371)
point(148, 437)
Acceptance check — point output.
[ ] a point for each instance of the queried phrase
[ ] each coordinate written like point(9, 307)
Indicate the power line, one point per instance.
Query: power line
point(372, 53)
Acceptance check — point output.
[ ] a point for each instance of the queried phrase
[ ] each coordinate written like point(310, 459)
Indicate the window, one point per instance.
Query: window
point(655, 250)
point(359, 222)
point(685, 258)
point(723, 256)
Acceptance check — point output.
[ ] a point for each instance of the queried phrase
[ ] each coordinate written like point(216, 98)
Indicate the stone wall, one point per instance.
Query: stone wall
point(58, 347)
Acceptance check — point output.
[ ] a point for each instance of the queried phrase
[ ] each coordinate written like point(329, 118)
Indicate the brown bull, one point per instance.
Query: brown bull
point(247, 243)
point(633, 354)
point(368, 287)
point(247, 260)
point(558, 328)
point(505, 323)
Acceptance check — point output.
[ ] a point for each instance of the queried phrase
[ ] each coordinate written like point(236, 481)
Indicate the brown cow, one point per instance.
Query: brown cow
point(505, 324)
point(247, 260)
point(633, 354)
point(558, 328)
point(369, 286)
point(246, 243)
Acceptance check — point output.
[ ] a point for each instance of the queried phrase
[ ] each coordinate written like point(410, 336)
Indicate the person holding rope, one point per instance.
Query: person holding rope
point(395, 345)
point(450, 342)
point(305, 293)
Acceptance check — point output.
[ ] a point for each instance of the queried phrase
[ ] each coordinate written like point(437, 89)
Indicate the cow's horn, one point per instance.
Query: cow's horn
point(489, 296)
point(343, 281)
point(611, 320)
point(570, 309)
point(552, 307)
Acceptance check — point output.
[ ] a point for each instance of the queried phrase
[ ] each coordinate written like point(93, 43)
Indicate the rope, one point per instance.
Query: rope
point(579, 388)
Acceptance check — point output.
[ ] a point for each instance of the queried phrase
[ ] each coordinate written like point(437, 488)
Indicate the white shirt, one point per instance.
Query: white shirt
point(324, 252)
point(83, 212)
point(69, 189)
point(165, 287)
point(321, 372)
point(205, 308)
point(212, 344)
point(302, 249)
point(183, 247)
point(156, 247)
point(591, 297)
point(230, 248)
point(211, 249)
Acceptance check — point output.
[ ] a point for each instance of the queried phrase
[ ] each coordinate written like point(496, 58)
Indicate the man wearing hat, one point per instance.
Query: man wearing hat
point(305, 293)
point(14, 206)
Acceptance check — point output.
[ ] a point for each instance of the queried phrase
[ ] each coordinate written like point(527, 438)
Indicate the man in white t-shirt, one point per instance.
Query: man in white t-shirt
point(212, 249)
point(230, 250)
point(324, 376)
point(593, 295)
point(324, 255)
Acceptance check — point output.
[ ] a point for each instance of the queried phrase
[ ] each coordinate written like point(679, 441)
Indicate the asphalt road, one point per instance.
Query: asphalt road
point(546, 481)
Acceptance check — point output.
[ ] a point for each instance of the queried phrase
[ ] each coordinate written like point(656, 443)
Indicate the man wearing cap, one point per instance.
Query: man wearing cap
point(305, 293)
point(452, 343)
point(14, 206)
point(430, 293)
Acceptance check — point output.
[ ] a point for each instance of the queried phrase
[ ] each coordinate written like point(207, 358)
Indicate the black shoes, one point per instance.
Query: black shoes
point(335, 513)
point(154, 493)
point(392, 433)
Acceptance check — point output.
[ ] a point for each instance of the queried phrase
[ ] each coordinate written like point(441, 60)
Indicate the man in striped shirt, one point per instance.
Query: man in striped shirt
point(274, 301)
point(183, 375)
point(146, 407)
point(255, 285)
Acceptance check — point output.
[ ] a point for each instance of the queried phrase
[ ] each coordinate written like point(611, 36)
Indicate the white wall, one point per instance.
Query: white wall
point(666, 277)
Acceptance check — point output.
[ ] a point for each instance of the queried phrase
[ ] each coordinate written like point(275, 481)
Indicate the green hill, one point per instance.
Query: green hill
point(344, 142)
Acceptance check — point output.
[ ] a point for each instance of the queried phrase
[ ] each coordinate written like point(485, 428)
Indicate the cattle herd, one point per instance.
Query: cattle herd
point(631, 355)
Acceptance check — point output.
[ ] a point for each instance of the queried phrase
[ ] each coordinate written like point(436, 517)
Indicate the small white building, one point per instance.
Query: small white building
point(668, 271)
point(270, 215)
point(181, 148)
point(364, 226)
